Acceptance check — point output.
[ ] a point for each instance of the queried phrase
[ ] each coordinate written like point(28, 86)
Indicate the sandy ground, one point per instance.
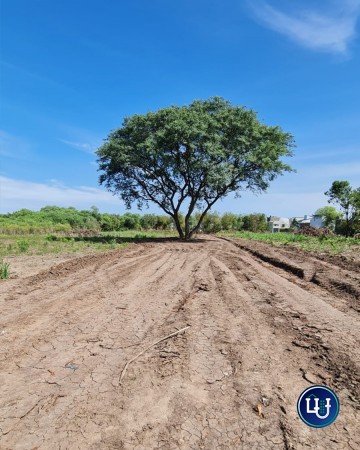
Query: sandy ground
point(26, 265)
point(264, 325)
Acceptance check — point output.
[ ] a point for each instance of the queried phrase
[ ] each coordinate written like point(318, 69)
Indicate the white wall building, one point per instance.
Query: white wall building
point(317, 221)
point(302, 221)
point(276, 224)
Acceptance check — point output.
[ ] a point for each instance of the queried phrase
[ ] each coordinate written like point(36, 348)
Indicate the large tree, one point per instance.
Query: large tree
point(186, 158)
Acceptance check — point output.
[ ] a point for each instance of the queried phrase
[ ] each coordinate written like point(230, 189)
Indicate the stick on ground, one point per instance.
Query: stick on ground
point(147, 348)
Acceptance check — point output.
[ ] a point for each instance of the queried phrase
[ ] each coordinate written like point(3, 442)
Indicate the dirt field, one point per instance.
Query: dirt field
point(264, 324)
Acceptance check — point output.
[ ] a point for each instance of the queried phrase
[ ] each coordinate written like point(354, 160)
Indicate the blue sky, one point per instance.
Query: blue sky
point(72, 70)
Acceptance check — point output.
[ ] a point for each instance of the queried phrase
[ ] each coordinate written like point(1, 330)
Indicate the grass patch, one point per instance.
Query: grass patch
point(13, 245)
point(23, 245)
point(138, 234)
point(4, 270)
point(326, 244)
point(40, 244)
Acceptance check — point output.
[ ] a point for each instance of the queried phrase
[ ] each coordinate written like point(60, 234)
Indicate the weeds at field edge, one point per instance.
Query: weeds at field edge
point(4, 270)
point(327, 244)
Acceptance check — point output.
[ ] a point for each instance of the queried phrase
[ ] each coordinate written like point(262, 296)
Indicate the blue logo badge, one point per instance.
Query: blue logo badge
point(318, 406)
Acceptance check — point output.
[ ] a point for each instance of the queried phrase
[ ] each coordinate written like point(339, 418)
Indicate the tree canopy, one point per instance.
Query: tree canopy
point(348, 199)
point(187, 158)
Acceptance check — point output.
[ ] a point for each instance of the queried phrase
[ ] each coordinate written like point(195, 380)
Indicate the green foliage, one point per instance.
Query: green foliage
point(54, 219)
point(71, 216)
point(130, 221)
point(48, 219)
point(4, 270)
point(110, 222)
point(155, 222)
point(211, 223)
point(148, 221)
point(140, 236)
point(329, 244)
point(229, 221)
point(254, 222)
point(348, 199)
point(42, 244)
point(23, 245)
point(341, 193)
point(329, 214)
point(189, 157)
point(51, 237)
point(163, 223)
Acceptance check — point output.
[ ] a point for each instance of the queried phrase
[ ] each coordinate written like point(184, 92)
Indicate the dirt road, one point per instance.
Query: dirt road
point(264, 325)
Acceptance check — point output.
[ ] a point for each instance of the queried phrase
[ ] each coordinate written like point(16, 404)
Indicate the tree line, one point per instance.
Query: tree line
point(60, 219)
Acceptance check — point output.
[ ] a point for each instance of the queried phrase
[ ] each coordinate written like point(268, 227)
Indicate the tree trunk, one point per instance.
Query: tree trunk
point(178, 226)
point(187, 228)
point(188, 234)
point(197, 226)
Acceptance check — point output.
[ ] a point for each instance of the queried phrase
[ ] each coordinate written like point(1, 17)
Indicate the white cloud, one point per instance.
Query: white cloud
point(350, 170)
point(294, 194)
point(80, 138)
point(18, 194)
point(330, 28)
point(83, 146)
point(284, 204)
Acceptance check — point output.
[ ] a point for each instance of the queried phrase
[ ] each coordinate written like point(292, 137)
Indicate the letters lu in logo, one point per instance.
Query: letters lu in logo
point(318, 406)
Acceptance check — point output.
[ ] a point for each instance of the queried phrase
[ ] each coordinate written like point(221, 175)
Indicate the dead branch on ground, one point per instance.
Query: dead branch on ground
point(146, 349)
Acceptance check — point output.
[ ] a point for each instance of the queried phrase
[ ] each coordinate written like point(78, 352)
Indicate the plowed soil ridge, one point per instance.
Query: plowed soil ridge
point(336, 279)
point(259, 335)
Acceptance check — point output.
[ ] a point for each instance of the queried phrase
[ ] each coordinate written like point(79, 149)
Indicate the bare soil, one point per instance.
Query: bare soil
point(264, 324)
point(26, 265)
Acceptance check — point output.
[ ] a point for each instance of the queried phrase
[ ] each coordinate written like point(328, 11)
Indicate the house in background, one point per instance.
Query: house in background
point(302, 221)
point(276, 224)
point(317, 221)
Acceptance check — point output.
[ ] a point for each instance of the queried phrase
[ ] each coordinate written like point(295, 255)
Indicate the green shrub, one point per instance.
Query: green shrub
point(140, 236)
point(23, 245)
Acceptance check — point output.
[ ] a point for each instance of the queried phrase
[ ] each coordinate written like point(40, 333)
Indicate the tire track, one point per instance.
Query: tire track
point(258, 336)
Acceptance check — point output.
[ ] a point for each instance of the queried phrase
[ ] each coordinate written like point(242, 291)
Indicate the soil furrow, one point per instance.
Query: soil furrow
point(260, 333)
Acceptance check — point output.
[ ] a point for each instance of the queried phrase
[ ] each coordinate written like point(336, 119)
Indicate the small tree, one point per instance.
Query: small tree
point(130, 221)
point(108, 222)
point(148, 221)
point(228, 221)
point(239, 224)
point(187, 158)
point(211, 223)
point(348, 199)
point(255, 222)
point(163, 223)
